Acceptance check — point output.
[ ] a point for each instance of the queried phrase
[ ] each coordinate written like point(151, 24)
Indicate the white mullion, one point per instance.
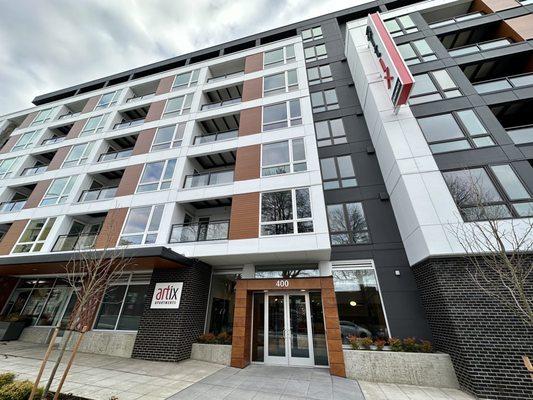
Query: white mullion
point(123, 300)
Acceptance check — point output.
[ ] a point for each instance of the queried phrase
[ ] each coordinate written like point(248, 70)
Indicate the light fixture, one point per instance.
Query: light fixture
point(353, 303)
point(397, 272)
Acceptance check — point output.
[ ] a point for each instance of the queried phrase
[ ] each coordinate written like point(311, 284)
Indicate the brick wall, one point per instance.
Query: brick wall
point(484, 339)
point(168, 335)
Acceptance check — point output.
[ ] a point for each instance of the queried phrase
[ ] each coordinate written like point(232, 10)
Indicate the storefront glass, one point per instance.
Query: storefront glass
point(222, 302)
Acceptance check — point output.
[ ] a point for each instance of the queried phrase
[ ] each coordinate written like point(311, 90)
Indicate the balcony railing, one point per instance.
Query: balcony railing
point(208, 179)
point(69, 115)
point(139, 98)
point(459, 18)
point(225, 76)
point(219, 104)
point(8, 206)
point(508, 82)
point(199, 232)
point(98, 194)
point(475, 48)
point(52, 140)
point(114, 155)
point(213, 137)
point(521, 134)
point(80, 241)
point(129, 124)
point(34, 170)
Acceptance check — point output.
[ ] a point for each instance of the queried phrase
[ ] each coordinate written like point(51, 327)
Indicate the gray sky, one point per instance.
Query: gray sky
point(52, 44)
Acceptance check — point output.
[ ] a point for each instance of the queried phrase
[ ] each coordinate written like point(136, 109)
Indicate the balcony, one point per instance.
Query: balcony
point(213, 137)
point(511, 82)
point(115, 155)
point(10, 206)
point(52, 140)
point(143, 91)
point(222, 97)
point(521, 134)
point(221, 78)
point(82, 241)
point(454, 20)
point(118, 148)
point(139, 98)
point(517, 119)
point(478, 47)
point(208, 179)
point(226, 70)
point(103, 193)
point(199, 232)
point(34, 170)
point(128, 124)
point(224, 103)
point(216, 129)
point(69, 115)
point(131, 118)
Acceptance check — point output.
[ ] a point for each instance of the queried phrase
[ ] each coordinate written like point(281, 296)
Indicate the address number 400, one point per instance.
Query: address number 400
point(282, 283)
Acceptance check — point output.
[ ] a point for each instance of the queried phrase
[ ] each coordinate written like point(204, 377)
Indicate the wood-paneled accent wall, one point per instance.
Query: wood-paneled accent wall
point(250, 121)
point(244, 219)
point(247, 162)
point(110, 232)
point(12, 236)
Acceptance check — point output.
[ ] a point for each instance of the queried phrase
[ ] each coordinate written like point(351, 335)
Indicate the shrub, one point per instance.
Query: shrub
point(366, 342)
point(410, 344)
point(208, 338)
point(18, 390)
point(379, 343)
point(354, 342)
point(6, 378)
point(223, 338)
point(426, 347)
point(395, 344)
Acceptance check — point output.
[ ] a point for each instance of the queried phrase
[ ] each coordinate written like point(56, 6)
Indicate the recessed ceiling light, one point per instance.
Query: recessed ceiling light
point(353, 303)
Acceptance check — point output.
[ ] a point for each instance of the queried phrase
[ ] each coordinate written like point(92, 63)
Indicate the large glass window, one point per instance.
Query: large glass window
point(434, 85)
point(315, 53)
point(318, 75)
point(222, 302)
point(416, 52)
point(347, 224)
point(286, 212)
point(458, 130)
point(8, 167)
point(78, 155)
point(401, 26)
point(359, 303)
point(282, 115)
point(283, 157)
point(26, 140)
point(280, 56)
point(58, 191)
point(168, 137)
point(34, 236)
point(142, 225)
point(285, 271)
point(94, 125)
point(280, 83)
point(330, 132)
point(308, 35)
point(178, 106)
point(186, 79)
point(43, 116)
point(123, 303)
point(108, 99)
point(338, 172)
point(325, 100)
point(157, 176)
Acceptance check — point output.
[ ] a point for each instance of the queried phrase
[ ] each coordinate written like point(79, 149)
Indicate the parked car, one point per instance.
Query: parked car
point(351, 329)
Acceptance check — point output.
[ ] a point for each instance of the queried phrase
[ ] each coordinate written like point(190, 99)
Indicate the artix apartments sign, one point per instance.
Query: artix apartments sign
point(167, 295)
point(396, 74)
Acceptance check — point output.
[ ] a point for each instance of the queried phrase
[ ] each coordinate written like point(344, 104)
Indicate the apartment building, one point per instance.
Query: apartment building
point(274, 185)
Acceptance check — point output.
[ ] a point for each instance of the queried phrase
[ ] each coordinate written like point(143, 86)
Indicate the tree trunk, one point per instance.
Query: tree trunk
point(43, 364)
point(70, 361)
point(56, 365)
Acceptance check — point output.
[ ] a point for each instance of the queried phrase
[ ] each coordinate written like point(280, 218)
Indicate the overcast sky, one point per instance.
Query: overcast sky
point(52, 44)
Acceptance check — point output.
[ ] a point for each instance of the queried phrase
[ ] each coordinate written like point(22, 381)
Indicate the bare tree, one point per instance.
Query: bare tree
point(498, 248)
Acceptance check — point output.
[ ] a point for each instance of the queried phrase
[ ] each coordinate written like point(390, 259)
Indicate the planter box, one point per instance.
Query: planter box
point(215, 353)
point(11, 330)
point(422, 369)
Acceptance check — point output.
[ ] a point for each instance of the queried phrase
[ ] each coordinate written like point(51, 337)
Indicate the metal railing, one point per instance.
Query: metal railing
point(80, 241)
point(475, 48)
point(459, 18)
point(57, 139)
point(138, 98)
point(199, 232)
point(113, 155)
point(129, 124)
point(508, 82)
point(98, 194)
point(225, 76)
point(209, 106)
point(8, 206)
point(521, 134)
point(213, 137)
point(34, 170)
point(208, 179)
point(69, 115)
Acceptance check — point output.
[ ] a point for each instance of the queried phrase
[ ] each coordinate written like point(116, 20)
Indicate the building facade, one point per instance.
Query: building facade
point(272, 181)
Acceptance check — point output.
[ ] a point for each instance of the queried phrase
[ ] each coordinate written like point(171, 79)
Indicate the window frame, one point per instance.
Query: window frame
point(98, 128)
point(312, 36)
point(350, 233)
point(162, 180)
point(114, 100)
point(331, 138)
point(84, 156)
point(175, 142)
point(419, 57)
point(325, 106)
point(315, 56)
point(145, 232)
point(438, 89)
point(11, 168)
point(33, 138)
point(184, 108)
point(321, 79)
point(64, 193)
point(39, 240)
point(403, 29)
point(291, 162)
point(287, 57)
point(48, 116)
point(290, 120)
point(286, 88)
point(192, 81)
point(338, 178)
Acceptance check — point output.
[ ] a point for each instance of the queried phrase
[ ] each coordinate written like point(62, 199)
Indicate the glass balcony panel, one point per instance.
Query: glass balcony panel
point(216, 136)
point(53, 140)
point(225, 103)
point(81, 241)
point(98, 194)
point(129, 124)
point(463, 51)
point(12, 206)
point(114, 155)
point(494, 44)
point(522, 80)
point(521, 135)
point(196, 180)
point(218, 178)
point(199, 232)
point(492, 86)
point(34, 170)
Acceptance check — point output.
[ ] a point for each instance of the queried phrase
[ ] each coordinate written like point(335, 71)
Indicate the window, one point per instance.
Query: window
point(460, 18)
point(459, 130)
point(286, 212)
point(318, 75)
point(280, 83)
point(330, 132)
point(168, 137)
point(359, 303)
point(282, 115)
point(315, 53)
point(283, 157)
point(58, 191)
point(325, 100)
point(186, 79)
point(78, 155)
point(142, 225)
point(33, 237)
point(308, 35)
point(156, 176)
point(108, 100)
point(8, 167)
point(280, 56)
point(222, 304)
point(26, 140)
point(338, 172)
point(178, 106)
point(94, 125)
point(489, 193)
point(123, 303)
point(431, 86)
point(347, 224)
point(43, 116)
point(401, 26)
point(416, 52)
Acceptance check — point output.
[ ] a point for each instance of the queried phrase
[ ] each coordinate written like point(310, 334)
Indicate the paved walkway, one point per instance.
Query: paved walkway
point(391, 391)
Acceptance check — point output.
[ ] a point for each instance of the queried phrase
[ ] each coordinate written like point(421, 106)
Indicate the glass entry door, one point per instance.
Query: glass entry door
point(288, 338)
